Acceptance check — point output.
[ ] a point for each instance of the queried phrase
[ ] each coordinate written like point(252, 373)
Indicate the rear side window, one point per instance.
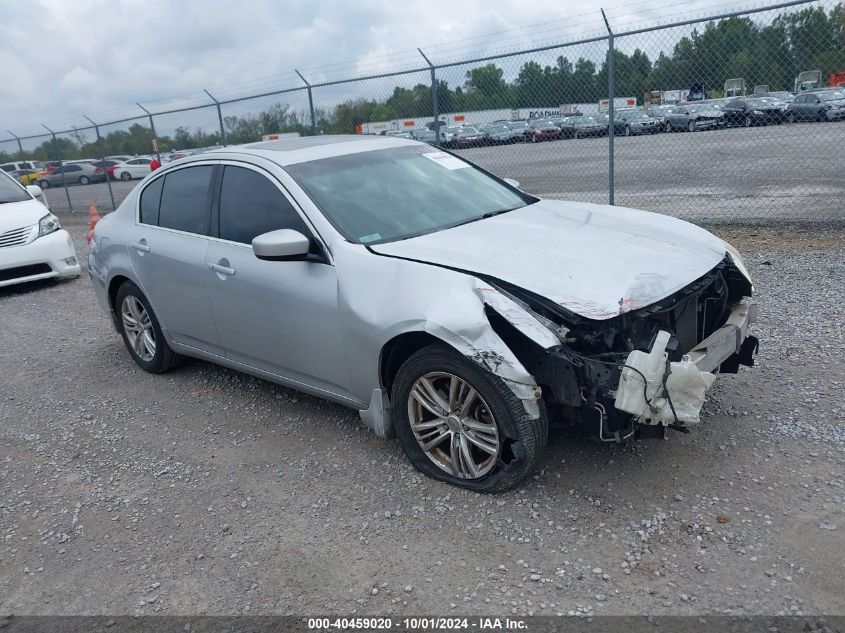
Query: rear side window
point(185, 201)
point(150, 199)
point(250, 204)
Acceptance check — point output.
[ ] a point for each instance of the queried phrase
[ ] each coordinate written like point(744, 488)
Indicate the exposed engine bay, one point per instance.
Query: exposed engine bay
point(644, 370)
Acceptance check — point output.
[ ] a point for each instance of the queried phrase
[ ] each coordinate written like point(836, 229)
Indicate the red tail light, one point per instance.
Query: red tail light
point(97, 170)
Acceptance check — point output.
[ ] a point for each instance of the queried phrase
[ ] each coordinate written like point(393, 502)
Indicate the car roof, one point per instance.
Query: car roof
point(307, 148)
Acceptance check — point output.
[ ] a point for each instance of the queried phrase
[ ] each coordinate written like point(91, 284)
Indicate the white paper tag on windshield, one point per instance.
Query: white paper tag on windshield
point(446, 160)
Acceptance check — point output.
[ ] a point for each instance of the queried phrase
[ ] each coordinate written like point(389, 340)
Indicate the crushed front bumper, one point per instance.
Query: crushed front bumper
point(655, 390)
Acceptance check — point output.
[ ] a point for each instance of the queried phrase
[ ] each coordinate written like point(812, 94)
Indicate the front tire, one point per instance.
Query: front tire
point(790, 117)
point(627, 130)
point(83, 180)
point(141, 331)
point(125, 176)
point(748, 120)
point(691, 126)
point(44, 184)
point(460, 424)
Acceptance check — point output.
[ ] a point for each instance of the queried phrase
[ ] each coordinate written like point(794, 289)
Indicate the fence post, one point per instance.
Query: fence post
point(103, 158)
point(61, 166)
point(219, 117)
point(611, 89)
point(20, 147)
point(310, 103)
point(435, 110)
point(153, 129)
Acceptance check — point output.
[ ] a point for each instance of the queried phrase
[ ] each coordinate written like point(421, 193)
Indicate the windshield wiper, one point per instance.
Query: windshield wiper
point(487, 215)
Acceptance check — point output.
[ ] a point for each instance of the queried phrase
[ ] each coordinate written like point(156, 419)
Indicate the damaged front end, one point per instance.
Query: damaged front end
point(642, 370)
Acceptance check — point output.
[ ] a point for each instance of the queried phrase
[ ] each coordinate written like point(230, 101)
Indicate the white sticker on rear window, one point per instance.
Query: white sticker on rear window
point(446, 160)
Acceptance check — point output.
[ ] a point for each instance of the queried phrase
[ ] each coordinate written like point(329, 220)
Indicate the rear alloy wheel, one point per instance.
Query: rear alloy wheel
point(691, 126)
point(461, 424)
point(141, 331)
point(790, 117)
point(748, 120)
point(83, 180)
point(125, 176)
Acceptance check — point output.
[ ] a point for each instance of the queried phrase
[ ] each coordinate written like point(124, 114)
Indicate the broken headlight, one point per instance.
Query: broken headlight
point(737, 260)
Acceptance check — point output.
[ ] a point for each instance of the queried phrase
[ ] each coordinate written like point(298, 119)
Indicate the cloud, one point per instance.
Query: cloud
point(99, 57)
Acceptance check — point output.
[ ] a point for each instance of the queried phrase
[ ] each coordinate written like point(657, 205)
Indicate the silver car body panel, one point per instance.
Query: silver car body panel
point(326, 337)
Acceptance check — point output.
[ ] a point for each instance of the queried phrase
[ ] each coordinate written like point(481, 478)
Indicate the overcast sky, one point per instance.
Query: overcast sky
point(63, 58)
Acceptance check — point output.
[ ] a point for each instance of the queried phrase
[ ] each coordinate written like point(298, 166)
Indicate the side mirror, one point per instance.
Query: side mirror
point(512, 182)
point(281, 245)
point(34, 191)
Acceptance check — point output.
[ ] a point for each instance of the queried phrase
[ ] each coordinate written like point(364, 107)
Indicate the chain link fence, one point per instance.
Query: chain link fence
point(730, 118)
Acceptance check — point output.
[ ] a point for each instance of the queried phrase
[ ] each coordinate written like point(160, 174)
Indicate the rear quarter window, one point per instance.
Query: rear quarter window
point(150, 200)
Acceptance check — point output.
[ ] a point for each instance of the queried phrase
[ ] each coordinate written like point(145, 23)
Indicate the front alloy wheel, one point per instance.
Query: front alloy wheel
point(453, 425)
point(461, 424)
point(691, 126)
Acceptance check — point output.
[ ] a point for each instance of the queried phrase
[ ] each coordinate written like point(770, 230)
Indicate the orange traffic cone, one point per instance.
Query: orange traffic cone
point(93, 218)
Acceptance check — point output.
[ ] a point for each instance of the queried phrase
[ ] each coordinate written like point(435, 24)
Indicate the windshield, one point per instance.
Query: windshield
point(541, 123)
point(634, 115)
point(495, 129)
point(518, 125)
point(396, 193)
point(468, 131)
point(832, 95)
point(758, 103)
point(704, 107)
point(11, 191)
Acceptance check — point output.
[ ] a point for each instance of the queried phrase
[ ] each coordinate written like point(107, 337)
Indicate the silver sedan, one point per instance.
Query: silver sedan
point(452, 309)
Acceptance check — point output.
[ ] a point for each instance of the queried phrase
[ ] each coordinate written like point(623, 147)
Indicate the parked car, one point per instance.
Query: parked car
point(818, 105)
point(109, 165)
point(134, 168)
point(634, 121)
point(32, 243)
point(580, 125)
point(449, 133)
point(120, 158)
point(22, 165)
point(498, 133)
point(750, 111)
point(696, 116)
point(27, 176)
point(518, 128)
point(469, 136)
point(659, 113)
point(72, 174)
point(541, 130)
point(425, 135)
point(426, 293)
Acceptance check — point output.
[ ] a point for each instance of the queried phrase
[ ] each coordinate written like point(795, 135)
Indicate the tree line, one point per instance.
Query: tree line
point(735, 47)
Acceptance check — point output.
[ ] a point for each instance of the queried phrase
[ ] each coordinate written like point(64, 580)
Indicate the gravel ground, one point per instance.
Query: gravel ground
point(756, 175)
point(207, 491)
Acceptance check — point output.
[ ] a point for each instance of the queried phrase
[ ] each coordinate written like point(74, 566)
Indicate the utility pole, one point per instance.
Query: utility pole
point(611, 88)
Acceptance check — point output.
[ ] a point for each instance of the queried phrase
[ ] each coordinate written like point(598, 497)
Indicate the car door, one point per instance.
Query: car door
point(167, 246)
point(276, 316)
point(138, 167)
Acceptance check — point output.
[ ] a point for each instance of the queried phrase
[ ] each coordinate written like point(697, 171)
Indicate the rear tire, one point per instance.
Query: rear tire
point(162, 358)
point(44, 184)
point(790, 117)
point(83, 180)
point(125, 176)
point(519, 440)
point(748, 121)
point(691, 126)
point(627, 130)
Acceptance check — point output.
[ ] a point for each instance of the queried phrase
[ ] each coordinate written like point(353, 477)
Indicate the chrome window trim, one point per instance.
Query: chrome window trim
point(234, 163)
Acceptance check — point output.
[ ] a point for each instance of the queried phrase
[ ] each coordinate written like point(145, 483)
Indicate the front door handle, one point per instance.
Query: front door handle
point(141, 246)
point(222, 270)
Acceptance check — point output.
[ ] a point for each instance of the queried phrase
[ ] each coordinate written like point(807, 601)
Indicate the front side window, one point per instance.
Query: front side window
point(250, 204)
point(390, 194)
point(185, 200)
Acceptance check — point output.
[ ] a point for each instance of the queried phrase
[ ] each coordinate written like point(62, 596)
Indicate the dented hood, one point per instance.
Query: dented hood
point(597, 261)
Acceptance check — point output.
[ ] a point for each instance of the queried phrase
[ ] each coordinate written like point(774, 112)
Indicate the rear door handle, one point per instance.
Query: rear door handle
point(222, 270)
point(141, 246)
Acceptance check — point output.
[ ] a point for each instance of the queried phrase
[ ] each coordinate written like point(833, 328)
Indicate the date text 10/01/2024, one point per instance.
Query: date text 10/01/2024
point(417, 624)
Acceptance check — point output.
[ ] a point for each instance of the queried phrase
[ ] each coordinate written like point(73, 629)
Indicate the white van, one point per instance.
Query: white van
point(29, 165)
